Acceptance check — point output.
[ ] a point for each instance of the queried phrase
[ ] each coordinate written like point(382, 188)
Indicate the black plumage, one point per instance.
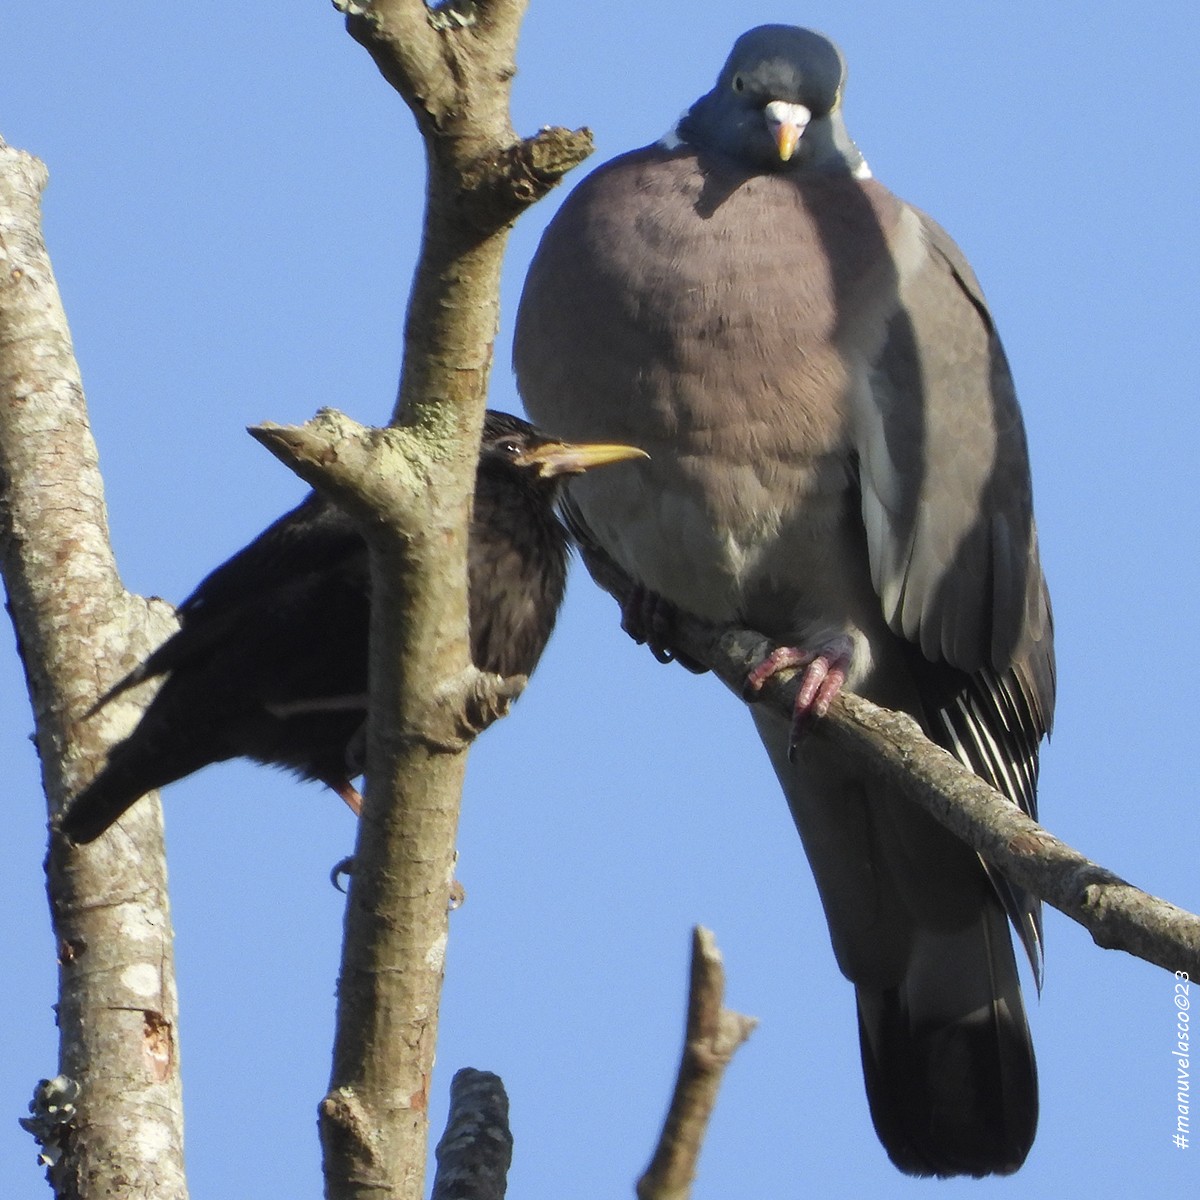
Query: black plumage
point(270, 658)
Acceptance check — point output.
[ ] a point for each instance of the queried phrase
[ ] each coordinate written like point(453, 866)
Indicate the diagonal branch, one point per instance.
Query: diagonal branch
point(892, 747)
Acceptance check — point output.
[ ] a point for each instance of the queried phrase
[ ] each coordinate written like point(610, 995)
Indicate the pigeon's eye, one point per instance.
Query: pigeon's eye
point(739, 84)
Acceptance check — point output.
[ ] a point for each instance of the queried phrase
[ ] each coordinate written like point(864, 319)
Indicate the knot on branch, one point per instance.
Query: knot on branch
point(348, 1133)
point(453, 14)
point(538, 163)
point(53, 1112)
point(318, 447)
point(463, 707)
point(371, 473)
point(498, 187)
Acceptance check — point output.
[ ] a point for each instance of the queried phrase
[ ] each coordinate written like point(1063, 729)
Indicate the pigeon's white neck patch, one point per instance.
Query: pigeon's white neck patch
point(671, 139)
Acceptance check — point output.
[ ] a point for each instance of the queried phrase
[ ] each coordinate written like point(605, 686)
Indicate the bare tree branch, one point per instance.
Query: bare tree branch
point(713, 1036)
point(476, 1150)
point(77, 629)
point(410, 489)
point(891, 746)
point(373, 1119)
point(454, 65)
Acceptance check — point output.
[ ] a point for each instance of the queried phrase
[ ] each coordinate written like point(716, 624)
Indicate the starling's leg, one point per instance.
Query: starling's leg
point(650, 621)
point(345, 866)
point(350, 794)
point(825, 669)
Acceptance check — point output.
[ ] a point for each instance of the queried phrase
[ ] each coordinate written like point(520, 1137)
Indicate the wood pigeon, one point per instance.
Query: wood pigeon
point(837, 460)
point(270, 659)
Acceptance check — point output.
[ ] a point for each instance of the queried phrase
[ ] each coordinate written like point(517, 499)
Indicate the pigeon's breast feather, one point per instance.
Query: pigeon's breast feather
point(701, 312)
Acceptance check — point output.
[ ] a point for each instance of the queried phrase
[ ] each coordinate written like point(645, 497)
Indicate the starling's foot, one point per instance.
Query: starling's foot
point(456, 899)
point(825, 670)
point(344, 867)
point(650, 621)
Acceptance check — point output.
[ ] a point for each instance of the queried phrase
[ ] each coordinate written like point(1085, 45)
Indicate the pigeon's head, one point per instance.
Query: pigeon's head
point(776, 105)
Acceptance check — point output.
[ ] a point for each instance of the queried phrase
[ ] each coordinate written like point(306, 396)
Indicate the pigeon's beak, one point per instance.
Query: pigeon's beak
point(568, 458)
point(787, 123)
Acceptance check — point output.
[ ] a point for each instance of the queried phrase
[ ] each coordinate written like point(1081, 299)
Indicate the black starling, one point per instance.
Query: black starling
point(270, 659)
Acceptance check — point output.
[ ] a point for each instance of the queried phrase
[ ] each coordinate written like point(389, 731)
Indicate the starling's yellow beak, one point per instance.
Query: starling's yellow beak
point(569, 458)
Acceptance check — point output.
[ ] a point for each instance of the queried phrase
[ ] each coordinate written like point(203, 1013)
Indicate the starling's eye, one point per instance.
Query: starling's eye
point(510, 447)
point(739, 84)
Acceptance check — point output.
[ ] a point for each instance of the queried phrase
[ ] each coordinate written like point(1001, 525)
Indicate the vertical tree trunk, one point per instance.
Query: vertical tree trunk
point(79, 631)
point(411, 487)
point(77, 628)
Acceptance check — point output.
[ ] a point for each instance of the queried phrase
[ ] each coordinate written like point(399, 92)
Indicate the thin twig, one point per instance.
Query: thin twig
point(713, 1035)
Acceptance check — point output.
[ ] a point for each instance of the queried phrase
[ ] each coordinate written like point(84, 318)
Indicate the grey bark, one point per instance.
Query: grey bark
point(77, 630)
point(711, 1039)
point(411, 486)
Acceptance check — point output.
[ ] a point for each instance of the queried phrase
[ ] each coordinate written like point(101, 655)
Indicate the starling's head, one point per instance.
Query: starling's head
point(509, 441)
point(517, 554)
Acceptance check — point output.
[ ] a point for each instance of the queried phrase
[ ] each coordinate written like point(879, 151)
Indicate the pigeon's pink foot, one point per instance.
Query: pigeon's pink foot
point(825, 669)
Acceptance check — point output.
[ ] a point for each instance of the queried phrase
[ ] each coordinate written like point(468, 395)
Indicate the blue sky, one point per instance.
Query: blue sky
point(233, 210)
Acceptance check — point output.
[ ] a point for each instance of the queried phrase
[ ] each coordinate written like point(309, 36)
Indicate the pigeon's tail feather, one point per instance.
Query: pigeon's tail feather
point(948, 1058)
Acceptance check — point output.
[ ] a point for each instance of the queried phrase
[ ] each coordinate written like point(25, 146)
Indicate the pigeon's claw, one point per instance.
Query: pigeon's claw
point(825, 668)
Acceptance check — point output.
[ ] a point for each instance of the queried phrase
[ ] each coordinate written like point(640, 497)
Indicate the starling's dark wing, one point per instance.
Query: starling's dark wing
point(314, 537)
point(269, 665)
point(305, 544)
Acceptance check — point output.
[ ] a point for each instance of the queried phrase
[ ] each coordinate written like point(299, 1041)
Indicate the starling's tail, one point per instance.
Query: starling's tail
point(148, 759)
point(948, 1058)
point(101, 803)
